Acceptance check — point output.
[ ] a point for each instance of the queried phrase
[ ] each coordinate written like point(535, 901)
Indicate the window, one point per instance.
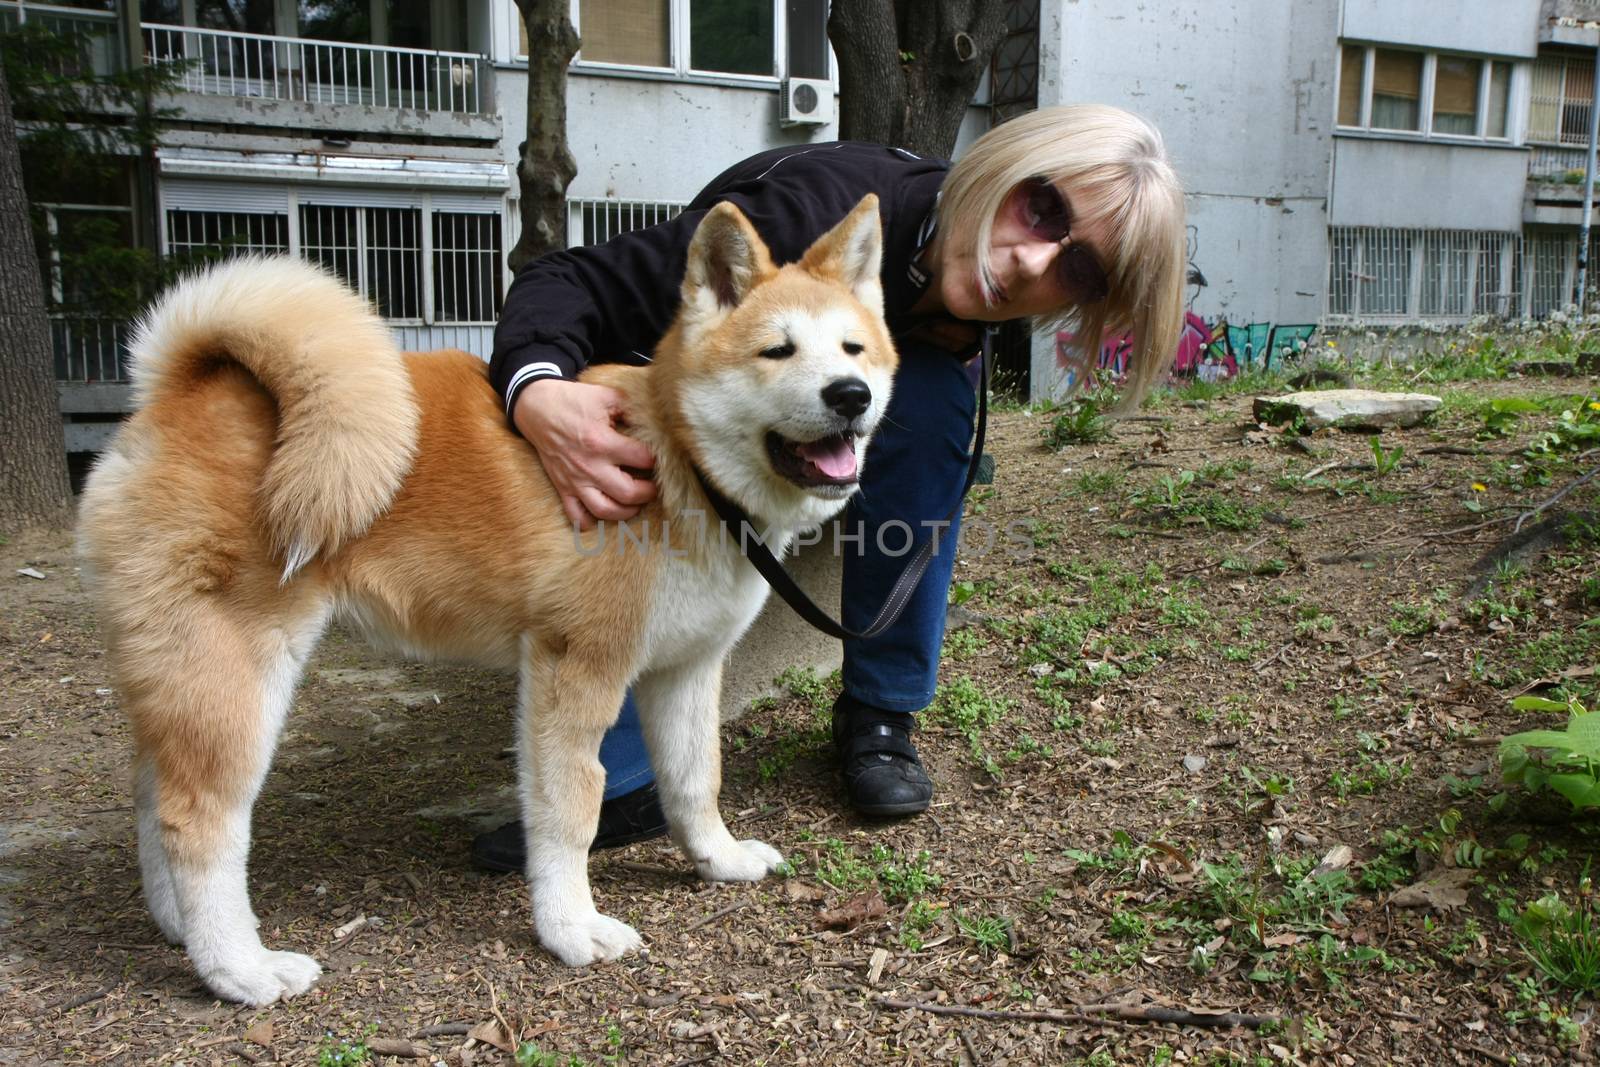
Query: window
point(1352, 68)
point(376, 250)
point(466, 266)
point(1455, 95)
point(1563, 91)
point(636, 33)
point(1394, 90)
point(596, 221)
point(455, 277)
point(213, 234)
point(732, 36)
point(742, 38)
point(1499, 104)
point(1391, 275)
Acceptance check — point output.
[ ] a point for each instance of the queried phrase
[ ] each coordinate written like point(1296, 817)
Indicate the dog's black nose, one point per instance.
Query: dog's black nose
point(848, 396)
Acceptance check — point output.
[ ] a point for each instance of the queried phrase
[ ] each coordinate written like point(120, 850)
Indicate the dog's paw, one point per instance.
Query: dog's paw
point(588, 940)
point(264, 978)
point(740, 861)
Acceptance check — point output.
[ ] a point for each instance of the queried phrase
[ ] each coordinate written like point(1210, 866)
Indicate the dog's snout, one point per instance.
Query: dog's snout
point(848, 396)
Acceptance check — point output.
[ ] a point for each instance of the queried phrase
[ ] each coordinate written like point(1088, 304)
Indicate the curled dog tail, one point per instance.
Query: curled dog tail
point(347, 414)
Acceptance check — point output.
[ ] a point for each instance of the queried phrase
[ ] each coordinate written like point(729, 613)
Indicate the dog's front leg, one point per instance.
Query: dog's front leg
point(678, 708)
point(566, 704)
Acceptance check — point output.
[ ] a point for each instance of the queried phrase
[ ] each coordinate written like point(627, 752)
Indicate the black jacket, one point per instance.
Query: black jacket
point(613, 302)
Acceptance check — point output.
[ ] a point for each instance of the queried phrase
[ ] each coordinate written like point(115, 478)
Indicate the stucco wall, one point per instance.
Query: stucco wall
point(1414, 185)
point(1494, 27)
point(1243, 94)
point(663, 140)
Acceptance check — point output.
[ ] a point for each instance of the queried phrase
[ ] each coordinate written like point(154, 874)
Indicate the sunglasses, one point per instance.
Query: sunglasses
point(1045, 215)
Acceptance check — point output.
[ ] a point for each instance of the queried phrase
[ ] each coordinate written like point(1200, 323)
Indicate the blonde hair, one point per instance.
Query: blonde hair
point(1114, 168)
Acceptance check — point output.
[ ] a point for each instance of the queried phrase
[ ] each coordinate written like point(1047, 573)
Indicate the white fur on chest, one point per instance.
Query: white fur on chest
point(701, 606)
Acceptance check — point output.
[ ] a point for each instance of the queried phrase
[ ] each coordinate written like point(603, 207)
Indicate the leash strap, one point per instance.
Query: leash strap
point(761, 557)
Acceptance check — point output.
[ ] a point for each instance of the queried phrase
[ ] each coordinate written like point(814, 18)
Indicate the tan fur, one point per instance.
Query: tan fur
point(288, 464)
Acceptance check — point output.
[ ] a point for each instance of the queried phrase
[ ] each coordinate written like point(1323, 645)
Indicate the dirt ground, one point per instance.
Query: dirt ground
point(1195, 749)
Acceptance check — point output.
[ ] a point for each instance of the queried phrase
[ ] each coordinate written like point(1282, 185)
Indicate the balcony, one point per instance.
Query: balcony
point(259, 67)
point(1574, 22)
point(290, 70)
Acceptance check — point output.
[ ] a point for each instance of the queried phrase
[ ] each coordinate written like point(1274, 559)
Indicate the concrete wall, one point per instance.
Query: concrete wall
point(1494, 27)
point(1243, 94)
point(1415, 185)
point(651, 139)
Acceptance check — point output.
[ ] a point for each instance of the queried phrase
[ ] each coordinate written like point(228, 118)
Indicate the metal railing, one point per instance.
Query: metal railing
point(89, 350)
point(1398, 276)
point(1555, 164)
point(224, 63)
point(595, 220)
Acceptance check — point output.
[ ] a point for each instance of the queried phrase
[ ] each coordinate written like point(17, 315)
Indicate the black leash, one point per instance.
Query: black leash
point(760, 556)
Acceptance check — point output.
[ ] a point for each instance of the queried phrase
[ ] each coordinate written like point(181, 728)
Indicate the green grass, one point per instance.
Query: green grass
point(963, 706)
point(1563, 939)
point(901, 878)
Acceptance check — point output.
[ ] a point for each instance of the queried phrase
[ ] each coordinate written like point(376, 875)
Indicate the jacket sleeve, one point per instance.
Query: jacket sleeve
point(588, 305)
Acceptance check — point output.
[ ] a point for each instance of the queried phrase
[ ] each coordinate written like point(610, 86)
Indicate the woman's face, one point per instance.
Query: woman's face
point(1024, 261)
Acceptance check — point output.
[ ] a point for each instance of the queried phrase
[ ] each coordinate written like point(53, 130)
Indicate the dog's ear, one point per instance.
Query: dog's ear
point(727, 258)
point(852, 253)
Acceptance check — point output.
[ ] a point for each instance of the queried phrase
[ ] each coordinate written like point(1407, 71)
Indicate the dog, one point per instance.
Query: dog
point(287, 465)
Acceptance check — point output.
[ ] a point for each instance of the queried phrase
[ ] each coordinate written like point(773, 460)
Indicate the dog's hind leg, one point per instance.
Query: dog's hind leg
point(565, 707)
point(678, 709)
point(154, 871)
point(207, 703)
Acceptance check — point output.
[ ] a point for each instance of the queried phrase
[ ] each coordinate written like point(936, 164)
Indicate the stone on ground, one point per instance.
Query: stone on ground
point(1347, 409)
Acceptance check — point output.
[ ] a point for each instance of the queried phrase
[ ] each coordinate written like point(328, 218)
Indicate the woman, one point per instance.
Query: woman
point(1070, 215)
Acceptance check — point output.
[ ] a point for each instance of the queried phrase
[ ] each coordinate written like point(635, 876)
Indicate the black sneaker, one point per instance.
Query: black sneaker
point(882, 773)
point(634, 816)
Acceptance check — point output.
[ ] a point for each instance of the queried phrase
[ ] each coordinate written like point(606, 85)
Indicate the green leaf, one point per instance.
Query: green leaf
point(1583, 730)
point(1537, 704)
point(1581, 789)
point(1556, 739)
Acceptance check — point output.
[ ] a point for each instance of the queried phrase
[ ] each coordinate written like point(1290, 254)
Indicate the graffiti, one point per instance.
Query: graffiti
point(1208, 352)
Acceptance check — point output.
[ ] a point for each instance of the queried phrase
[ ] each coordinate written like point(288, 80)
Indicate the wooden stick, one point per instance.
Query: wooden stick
point(1093, 1013)
point(714, 916)
point(1569, 487)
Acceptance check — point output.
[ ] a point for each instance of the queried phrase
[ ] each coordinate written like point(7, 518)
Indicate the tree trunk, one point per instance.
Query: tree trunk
point(908, 68)
point(34, 489)
point(546, 167)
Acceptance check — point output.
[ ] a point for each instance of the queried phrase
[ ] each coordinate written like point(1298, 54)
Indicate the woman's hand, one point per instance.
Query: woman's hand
point(573, 427)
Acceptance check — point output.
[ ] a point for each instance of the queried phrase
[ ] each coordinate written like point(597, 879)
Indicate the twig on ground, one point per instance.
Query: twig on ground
point(714, 916)
point(1569, 487)
point(1133, 1013)
point(1257, 667)
point(444, 1030)
point(83, 998)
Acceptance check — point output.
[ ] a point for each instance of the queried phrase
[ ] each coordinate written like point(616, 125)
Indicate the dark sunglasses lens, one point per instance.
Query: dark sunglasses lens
point(1081, 275)
point(1047, 215)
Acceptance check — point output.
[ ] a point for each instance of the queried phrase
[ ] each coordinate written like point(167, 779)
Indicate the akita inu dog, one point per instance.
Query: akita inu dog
point(287, 465)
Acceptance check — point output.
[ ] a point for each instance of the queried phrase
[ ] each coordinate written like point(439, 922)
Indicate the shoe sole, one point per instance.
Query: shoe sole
point(914, 807)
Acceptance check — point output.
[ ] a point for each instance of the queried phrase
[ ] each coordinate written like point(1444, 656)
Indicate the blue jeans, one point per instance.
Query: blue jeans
point(911, 479)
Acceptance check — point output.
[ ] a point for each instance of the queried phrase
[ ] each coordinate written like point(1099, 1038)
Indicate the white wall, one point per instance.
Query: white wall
point(1493, 27)
point(650, 139)
point(1243, 94)
point(1414, 185)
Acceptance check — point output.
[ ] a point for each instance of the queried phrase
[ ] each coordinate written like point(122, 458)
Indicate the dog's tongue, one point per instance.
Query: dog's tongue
point(833, 456)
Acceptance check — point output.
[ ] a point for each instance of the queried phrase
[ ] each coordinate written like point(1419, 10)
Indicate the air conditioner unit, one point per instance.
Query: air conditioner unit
point(806, 102)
